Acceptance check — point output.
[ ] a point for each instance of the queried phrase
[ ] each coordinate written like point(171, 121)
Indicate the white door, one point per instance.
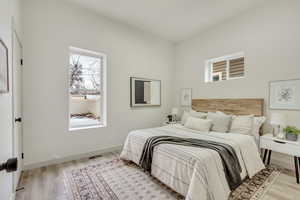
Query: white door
point(17, 107)
point(6, 190)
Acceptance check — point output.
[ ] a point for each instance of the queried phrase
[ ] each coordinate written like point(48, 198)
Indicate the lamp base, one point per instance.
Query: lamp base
point(281, 136)
point(174, 118)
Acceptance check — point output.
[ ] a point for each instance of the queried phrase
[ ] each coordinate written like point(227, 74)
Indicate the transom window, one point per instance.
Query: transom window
point(225, 68)
point(87, 89)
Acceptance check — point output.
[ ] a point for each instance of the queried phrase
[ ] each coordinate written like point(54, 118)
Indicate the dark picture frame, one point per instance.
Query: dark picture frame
point(4, 70)
point(134, 95)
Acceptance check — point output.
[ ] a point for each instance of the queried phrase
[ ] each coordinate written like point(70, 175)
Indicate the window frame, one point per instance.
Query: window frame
point(209, 67)
point(103, 87)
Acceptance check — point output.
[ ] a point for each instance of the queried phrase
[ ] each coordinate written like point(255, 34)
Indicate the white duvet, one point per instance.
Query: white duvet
point(196, 173)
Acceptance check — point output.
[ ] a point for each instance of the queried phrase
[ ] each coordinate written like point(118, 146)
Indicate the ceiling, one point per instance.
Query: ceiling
point(174, 20)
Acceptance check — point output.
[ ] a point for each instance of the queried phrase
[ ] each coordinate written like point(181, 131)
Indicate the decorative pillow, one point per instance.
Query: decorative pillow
point(192, 113)
point(224, 114)
point(185, 116)
point(198, 124)
point(257, 123)
point(201, 115)
point(242, 124)
point(220, 123)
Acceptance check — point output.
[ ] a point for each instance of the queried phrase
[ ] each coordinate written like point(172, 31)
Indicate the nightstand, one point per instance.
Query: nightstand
point(291, 148)
point(171, 123)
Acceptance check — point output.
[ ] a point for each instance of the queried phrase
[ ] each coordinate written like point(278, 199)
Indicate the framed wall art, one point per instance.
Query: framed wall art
point(4, 82)
point(285, 94)
point(186, 97)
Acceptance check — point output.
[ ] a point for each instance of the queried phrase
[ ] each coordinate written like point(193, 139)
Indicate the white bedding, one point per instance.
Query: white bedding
point(196, 173)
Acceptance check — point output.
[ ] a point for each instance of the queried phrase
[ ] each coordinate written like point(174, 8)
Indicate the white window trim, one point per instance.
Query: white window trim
point(86, 127)
point(103, 122)
point(209, 70)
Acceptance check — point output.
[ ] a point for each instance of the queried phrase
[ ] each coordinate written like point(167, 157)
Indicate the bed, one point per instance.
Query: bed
point(198, 173)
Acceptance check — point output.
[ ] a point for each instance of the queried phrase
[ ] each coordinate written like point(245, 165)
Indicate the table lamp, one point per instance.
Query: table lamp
point(278, 120)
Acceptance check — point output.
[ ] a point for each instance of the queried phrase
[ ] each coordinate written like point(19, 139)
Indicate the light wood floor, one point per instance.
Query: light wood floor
point(47, 183)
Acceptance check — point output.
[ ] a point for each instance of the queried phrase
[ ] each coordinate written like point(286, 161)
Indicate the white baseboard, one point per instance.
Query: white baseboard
point(70, 158)
point(13, 196)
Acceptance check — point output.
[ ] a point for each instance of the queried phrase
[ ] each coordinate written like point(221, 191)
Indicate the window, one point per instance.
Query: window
point(225, 68)
point(87, 89)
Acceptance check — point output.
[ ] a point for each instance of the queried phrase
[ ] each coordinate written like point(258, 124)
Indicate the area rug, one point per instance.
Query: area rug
point(115, 179)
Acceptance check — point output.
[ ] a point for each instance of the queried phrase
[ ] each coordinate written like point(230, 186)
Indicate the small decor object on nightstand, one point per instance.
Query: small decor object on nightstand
point(174, 114)
point(291, 133)
point(169, 118)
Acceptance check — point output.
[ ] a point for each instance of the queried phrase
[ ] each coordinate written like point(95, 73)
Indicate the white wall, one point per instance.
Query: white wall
point(51, 26)
point(268, 35)
point(8, 9)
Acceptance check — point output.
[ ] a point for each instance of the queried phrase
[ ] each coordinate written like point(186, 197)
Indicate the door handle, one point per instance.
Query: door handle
point(11, 165)
point(19, 119)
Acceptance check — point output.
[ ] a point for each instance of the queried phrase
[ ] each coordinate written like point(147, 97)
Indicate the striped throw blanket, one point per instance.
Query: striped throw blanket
point(228, 155)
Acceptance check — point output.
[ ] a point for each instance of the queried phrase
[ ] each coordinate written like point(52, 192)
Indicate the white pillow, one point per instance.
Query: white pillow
point(185, 116)
point(221, 122)
point(192, 113)
point(242, 124)
point(257, 123)
point(201, 115)
point(224, 114)
point(198, 124)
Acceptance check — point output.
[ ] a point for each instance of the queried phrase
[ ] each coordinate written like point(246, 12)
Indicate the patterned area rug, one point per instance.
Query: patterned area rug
point(115, 179)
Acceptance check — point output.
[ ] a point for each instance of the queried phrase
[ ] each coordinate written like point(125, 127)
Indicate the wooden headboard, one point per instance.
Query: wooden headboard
point(230, 106)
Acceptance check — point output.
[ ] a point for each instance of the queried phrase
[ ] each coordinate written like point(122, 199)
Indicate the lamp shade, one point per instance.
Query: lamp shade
point(277, 119)
point(174, 111)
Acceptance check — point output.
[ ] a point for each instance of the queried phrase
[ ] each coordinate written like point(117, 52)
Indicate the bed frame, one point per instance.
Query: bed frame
point(230, 106)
